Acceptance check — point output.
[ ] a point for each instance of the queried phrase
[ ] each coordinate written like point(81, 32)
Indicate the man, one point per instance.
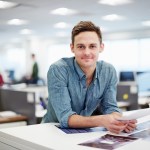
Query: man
point(79, 85)
point(34, 75)
point(35, 70)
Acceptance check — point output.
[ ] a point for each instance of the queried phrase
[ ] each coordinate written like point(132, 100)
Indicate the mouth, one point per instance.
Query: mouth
point(87, 59)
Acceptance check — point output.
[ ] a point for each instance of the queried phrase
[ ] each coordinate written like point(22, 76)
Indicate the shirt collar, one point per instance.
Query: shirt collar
point(81, 73)
point(96, 71)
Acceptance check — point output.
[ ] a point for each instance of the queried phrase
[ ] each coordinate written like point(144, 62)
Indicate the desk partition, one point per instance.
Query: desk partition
point(20, 102)
point(128, 93)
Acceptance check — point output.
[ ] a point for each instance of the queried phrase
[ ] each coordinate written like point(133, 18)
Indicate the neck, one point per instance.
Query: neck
point(89, 74)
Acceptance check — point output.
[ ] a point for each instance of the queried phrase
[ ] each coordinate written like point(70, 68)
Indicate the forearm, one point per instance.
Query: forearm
point(108, 121)
point(77, 121)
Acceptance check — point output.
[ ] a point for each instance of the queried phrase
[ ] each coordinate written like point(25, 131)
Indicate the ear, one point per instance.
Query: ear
point(101, 47)
point(72, 47)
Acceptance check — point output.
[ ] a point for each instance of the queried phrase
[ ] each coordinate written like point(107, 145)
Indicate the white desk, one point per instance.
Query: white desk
point(13, 121)
point(123, 105)
point(48, 137)
point(144, 98)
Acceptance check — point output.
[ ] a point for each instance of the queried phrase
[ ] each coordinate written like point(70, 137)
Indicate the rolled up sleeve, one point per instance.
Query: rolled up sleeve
point(59, 95)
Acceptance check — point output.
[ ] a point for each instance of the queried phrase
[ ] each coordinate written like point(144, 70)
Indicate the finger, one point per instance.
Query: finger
point(126, 130)
point(133, 121)
point(132, 125)
point(124, 121)
point(121, 123)
point(129, 129)
point(117, 128)
point(114, 131)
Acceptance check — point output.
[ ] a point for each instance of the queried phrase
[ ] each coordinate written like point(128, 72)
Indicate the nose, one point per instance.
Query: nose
point(87, 51)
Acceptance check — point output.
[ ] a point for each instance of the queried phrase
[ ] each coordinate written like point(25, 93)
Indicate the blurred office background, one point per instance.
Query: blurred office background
point(44, 28)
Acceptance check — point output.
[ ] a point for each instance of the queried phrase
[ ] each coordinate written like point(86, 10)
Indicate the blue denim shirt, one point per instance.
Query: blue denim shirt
point(68, 93)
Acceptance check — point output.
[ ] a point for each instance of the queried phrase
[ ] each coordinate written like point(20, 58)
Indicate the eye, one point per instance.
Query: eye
point(80, 47)
point(93, 46)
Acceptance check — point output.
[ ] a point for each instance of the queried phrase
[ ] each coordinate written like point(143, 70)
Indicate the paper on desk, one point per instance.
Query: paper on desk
point(135, 114)
point(7, 114)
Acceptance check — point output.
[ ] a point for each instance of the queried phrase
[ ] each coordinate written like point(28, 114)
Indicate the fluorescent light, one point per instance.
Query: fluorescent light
point(146, 23)
point(26, 31)
point(5, 4)
point(115, 2)
point(112, 17)
point(61, 25)
point(63, 11)
point(17, 22)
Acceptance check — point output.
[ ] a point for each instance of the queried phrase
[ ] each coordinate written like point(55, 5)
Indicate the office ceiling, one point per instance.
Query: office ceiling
point(41, 22)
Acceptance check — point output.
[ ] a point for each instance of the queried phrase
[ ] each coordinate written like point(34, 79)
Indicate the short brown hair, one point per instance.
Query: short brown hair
point(83, 26)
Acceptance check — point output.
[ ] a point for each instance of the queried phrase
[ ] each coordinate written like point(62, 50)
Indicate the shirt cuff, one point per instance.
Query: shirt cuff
point(113, 110)
point(64, 120)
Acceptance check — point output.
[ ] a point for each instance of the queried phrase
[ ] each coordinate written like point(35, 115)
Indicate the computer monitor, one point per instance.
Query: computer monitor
point(20, 102)
point(143, 81)
point(127, 76)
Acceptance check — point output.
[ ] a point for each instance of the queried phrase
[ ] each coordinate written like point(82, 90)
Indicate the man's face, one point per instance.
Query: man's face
point(86, 49)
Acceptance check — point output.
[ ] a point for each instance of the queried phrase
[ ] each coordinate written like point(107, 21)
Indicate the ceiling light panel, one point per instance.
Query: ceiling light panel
point(26, 31)
point(146, 23)
point(17, 22)
point(63, 11)
point(113, 17)
point(5, 4)
point(115, 2)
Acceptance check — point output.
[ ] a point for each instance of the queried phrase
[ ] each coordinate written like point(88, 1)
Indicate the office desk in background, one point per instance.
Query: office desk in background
point(124, 106)
point(144, 101)
point(20, 102)
point(13, 121)
point(49, 137)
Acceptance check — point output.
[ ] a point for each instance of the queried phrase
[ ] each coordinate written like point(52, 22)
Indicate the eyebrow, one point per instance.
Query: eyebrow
point(89, 44)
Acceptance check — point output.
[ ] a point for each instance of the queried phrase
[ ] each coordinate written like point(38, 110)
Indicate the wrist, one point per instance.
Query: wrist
point(101, 120)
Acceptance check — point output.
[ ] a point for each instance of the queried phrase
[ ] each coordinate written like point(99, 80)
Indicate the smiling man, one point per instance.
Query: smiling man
point(81, 84)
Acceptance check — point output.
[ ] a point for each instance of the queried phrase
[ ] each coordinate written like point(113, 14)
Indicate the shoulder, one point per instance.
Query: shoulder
point(105, 67)
point(62, 63)
point(61, 66)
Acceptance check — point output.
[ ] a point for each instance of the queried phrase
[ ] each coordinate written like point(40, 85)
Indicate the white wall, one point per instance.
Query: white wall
point(132, 54)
